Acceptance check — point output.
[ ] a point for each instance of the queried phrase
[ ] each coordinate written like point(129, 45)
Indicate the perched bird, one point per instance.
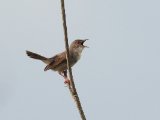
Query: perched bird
point(59, 61)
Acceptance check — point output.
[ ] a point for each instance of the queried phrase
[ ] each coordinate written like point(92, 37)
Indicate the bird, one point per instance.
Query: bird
point(59, 61)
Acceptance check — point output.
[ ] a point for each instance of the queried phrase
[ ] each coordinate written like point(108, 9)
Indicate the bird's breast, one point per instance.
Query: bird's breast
point(74, 58)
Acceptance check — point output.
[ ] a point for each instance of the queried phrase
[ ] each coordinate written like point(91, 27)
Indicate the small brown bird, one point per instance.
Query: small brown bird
point(59, 61)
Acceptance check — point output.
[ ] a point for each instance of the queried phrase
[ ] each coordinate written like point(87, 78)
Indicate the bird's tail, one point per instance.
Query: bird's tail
point(35, 56)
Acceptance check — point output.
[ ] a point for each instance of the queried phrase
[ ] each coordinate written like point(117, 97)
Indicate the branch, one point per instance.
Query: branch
point(71, 87)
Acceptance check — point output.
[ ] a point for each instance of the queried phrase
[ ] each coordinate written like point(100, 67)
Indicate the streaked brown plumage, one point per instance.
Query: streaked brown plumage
point(59, 62)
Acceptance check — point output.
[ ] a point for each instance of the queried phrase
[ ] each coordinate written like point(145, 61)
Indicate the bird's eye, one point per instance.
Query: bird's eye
point(78, 42)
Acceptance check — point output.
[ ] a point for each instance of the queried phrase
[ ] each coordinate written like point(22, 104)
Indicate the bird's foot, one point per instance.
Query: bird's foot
point(67, 81)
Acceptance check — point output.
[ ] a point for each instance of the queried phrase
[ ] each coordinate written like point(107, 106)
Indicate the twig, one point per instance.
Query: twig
point(72, 88)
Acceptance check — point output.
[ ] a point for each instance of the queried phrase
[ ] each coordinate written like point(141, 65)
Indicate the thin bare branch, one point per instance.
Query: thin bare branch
point(71, 87)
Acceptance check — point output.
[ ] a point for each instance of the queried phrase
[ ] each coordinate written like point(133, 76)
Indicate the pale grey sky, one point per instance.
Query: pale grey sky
point(118, 77)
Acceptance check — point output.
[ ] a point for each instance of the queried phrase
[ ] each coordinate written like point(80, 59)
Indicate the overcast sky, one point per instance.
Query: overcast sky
point(117, 78)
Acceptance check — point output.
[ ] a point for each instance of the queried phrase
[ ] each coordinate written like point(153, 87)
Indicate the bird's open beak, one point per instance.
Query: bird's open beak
point(85, 41)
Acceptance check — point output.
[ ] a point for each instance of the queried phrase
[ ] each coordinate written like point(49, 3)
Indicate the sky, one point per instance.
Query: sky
point(117, 78)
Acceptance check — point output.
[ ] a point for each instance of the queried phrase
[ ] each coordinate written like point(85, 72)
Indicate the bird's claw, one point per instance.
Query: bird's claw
point(67, 81)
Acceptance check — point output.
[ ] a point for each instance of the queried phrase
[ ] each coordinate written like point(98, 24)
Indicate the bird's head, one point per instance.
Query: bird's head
point(78, 45)
point(76, 48)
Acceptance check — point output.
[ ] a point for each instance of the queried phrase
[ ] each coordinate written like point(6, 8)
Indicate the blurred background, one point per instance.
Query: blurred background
point(117, 78)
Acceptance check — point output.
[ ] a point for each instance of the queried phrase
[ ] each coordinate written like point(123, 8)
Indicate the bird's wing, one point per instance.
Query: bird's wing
point(56, 60)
